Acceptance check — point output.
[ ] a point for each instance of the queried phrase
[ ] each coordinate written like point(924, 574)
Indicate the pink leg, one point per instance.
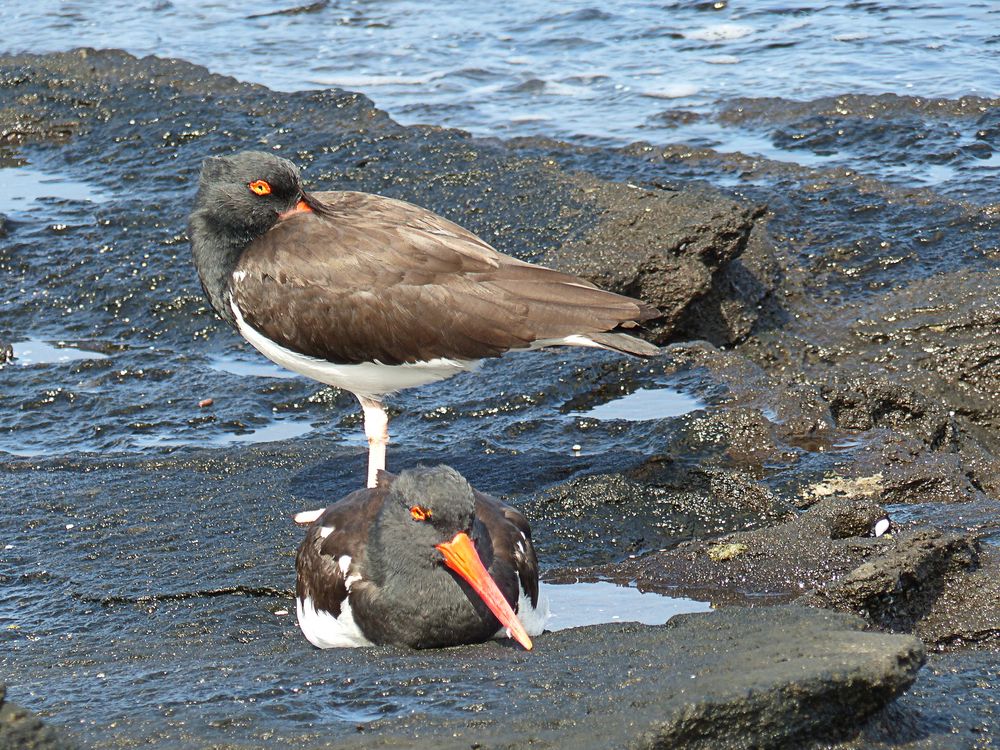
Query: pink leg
point(377, 431)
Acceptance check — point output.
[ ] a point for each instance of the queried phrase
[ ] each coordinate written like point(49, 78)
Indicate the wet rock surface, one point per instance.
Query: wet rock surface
point(146, 532)
point(21, 730)
point(729, 685)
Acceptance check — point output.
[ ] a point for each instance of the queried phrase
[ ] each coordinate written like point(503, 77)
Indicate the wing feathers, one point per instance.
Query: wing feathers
point(375, 279)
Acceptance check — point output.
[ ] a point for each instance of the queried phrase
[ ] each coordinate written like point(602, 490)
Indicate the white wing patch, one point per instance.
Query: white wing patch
point(323, 630)
point(532, 618)
point(575, 339)
point(344, 563)
point(306, 517)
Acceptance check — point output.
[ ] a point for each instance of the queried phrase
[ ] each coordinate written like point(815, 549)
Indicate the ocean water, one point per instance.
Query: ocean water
point(596, 73)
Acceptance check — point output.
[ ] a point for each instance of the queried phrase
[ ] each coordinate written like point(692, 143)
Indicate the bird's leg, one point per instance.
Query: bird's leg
point(377, 431)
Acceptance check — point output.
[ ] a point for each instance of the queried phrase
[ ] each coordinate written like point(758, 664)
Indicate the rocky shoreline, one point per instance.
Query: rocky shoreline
point(839, 329)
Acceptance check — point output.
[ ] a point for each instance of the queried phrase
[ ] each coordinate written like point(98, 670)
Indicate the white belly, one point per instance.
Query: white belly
point(370, 379)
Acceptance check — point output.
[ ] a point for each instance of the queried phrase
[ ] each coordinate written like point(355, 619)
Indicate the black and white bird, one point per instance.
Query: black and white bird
point(372, 294)
point(421, 560)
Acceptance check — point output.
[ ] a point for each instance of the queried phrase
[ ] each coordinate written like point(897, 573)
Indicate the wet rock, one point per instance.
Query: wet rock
point(795, 412)
point(739, 435)
point(912, 473)
point(888, 127)
point(772, 564)
point(966, 612)
point(192, 583)
point(867, 401)
point(856, 105)
point(294, 11)
point(729, 311)
point(749, 420)
point(608, 517)
point(900, 587)
point(670, 262)
point(952, 704)
point(719, 680)
point(22, 730)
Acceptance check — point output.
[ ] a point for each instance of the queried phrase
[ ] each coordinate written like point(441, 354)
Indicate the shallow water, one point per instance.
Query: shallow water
point(644, 405)
point(24, 187)
point(34, 352)
point(574, 605)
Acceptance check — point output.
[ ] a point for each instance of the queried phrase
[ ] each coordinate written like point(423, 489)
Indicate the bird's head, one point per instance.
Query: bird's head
point(431, 513)
point(251, 191)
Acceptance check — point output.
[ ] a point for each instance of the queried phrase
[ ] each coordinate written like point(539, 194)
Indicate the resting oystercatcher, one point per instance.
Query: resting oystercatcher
point(422, 560)
point(372, 294)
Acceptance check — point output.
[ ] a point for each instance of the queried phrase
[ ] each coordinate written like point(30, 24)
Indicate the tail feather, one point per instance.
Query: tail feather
point(622, 342)
point(618, 342)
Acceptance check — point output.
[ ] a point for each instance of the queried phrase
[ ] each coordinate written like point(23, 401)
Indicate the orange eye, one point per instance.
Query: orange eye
point(419, 513)
point(260, 187)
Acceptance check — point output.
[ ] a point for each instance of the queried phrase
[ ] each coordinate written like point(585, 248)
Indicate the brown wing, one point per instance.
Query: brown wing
point(318, 574)
point(371, 278)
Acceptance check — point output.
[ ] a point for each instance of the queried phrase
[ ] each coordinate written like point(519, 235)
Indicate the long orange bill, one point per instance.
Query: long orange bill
point(460, 555)
point(300, 208)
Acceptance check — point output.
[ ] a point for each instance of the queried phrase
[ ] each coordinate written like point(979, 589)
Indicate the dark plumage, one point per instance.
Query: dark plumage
point(372, 569)
point(373, 294)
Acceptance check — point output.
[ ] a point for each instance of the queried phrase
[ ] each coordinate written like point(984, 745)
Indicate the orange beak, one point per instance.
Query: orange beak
point(300, 208)
point(460, 555)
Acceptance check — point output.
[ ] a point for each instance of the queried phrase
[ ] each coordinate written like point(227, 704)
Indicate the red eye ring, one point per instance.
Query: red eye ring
point(260, 187)
point(419, 513)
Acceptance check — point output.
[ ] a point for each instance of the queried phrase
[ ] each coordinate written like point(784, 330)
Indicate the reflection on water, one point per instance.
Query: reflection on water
point(24, 186)
point(259, 367)
point(284, 429)
point(645, 404)
point(574, 605)
point(35, 352)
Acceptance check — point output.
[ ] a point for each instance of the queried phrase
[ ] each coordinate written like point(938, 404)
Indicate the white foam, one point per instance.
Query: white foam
point(851, 36)
point(720, 32)
point(366, 81)
point(723, 60)
point(673, 91)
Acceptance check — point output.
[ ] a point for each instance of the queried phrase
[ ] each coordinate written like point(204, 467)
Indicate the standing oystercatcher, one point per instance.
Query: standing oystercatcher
point(422, 560)
point(372, 294)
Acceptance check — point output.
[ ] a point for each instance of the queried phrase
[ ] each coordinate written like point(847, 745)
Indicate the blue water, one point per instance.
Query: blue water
point(604, 73)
